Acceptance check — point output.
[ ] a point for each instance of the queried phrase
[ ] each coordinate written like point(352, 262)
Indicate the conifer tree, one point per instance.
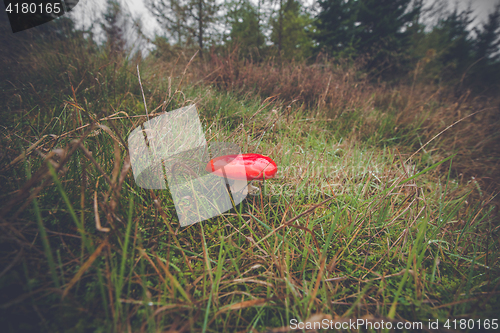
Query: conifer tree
point(291, 30)
point(487, 42)
point(172, 16)
point(335, 27)
point(486, 67)
point(245, 29)
point(186, 20)
point(456, 42)
point(113, 27)
point(349, 27)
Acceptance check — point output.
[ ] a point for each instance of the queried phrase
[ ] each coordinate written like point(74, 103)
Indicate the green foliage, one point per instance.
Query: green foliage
point(488, 37)
point(291, 31)
point(335, 24)
point(382, 20)
point(377, 28)
point(164, 50)
point(451, 54)
point(486, 70)
point(453, 43)
point(187, 22)
point(112, 26)
point(172, 16)
point(246, 30)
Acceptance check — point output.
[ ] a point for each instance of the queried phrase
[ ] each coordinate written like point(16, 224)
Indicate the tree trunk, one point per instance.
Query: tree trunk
point(200, 27)
point(280, 26)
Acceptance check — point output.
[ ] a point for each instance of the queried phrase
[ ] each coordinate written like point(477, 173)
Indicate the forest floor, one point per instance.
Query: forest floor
point(384, 207)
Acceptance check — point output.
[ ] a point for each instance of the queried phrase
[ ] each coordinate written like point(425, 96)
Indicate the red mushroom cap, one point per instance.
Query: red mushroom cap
point(243, 166)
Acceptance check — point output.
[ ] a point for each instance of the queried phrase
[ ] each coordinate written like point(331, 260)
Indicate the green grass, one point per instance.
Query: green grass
point(351, 227)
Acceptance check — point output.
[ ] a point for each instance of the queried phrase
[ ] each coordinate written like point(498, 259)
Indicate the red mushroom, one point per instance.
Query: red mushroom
point(242, 168)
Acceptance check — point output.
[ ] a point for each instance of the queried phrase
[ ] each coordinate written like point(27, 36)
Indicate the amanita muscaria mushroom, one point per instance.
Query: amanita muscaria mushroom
point(242, 168)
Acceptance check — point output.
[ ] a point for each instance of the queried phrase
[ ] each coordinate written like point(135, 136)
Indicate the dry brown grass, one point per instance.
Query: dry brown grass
point(419, 110)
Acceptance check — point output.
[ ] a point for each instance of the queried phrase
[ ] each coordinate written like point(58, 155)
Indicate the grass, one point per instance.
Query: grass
point(355, 226)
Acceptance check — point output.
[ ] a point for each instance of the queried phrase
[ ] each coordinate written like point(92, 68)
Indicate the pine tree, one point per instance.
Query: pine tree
point(488, 38)
point(243, 19)
point(186, 20)
point(172, 16)
point(112, 27)
point(376, 27)
point(291, 30)
point(335, 25)
point(456, 42)
point(486, 67)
